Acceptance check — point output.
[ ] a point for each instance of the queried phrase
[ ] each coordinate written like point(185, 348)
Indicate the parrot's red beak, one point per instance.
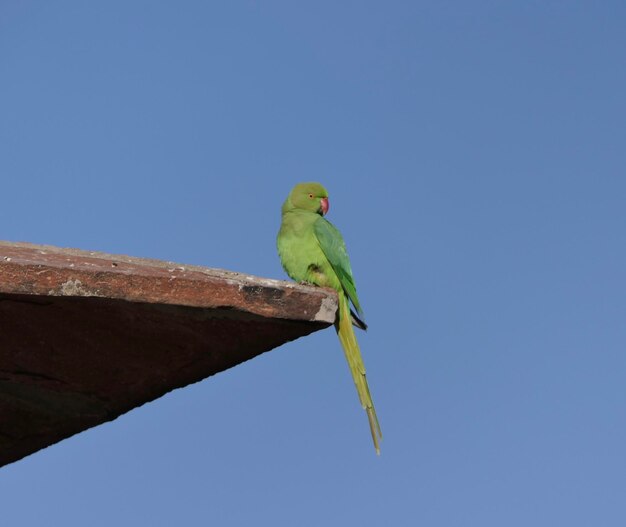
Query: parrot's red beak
point(325, 205)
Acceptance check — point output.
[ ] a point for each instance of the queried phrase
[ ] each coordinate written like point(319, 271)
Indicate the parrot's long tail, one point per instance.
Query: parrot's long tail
point(357, 368)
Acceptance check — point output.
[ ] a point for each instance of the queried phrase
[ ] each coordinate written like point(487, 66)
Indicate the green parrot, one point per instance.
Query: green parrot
point(312, 250)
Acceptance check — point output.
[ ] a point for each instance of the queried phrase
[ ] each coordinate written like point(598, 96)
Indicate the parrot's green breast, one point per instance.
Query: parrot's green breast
point(300, 251)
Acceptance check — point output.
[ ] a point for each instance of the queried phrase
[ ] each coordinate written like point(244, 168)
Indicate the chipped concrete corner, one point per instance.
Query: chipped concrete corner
point(328, 309)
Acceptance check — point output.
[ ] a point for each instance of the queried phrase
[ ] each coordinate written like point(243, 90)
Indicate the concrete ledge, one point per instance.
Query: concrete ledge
point(87, 336)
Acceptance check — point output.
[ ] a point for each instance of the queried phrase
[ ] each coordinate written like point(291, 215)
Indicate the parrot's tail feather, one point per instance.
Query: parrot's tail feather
point(357, 368)
point(357, 321)
point(374, 429)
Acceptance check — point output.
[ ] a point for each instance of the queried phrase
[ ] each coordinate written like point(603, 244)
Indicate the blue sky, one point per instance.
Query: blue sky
point(475, 157)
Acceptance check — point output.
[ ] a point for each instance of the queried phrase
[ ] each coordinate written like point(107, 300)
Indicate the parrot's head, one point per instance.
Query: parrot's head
point(308, 196)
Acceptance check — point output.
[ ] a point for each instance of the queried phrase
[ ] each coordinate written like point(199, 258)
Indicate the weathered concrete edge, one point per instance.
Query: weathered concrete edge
point(46, 270)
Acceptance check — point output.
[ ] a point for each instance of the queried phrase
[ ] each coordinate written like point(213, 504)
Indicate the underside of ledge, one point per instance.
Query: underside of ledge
point(87, 336)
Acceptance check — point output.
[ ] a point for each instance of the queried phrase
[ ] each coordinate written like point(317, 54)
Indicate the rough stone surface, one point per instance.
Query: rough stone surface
point(87, 336)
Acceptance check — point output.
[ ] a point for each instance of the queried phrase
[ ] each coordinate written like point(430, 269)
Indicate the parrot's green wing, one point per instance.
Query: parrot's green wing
point(334, 248)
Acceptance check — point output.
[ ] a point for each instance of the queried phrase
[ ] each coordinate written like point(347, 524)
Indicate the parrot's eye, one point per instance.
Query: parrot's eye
point(311, 196)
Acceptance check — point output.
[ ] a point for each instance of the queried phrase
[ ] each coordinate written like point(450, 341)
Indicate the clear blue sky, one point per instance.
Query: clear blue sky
point(475, 154)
